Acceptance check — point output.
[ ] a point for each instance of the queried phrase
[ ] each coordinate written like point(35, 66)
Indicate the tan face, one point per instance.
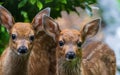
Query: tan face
point(69, 44)
point(69, 41)
point(22, 34)
point(21, 38)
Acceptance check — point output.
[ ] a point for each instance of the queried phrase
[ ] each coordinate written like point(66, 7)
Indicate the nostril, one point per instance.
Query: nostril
point(22, 49)
point(70, 55)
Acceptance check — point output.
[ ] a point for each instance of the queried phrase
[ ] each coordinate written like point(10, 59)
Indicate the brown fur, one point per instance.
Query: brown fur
point(11, 62)
point(40, 62)
point(92, 57)
point(71, 37)
point(41, 59)
point(98, 58)
point(73, 20)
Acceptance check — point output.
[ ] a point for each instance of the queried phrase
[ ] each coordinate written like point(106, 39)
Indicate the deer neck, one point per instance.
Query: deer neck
point(69, 67)
point(44, 42)
point(15, 64)
point(43, 53)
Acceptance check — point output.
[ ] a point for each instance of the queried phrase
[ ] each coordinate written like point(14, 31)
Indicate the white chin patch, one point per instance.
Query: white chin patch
point(68, 59)
point(19, 53)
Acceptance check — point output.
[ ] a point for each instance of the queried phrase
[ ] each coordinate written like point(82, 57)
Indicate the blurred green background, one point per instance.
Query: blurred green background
point(25, 10)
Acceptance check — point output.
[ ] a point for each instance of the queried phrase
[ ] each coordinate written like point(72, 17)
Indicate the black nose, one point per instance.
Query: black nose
point(70, 55)
point(22, 49)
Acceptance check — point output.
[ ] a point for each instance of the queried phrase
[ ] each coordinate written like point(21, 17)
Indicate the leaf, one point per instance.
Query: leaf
point(33, 2)
point(48, 1)
point(22, 3)
point(64, 1)
point(1, 3)
point(88, 10)
point(2, 29)
point(57, 8)
point(25, 15)
point(39, 5)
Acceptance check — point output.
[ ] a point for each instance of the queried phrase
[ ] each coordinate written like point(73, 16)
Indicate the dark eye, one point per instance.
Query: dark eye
point(79, 44)
point(13, 36)
point(61, 43)
point(32, 37)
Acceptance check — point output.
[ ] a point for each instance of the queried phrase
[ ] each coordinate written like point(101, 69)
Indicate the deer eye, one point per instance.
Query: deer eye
point(31, 37)
point(61, 43)
point(79, 44)
point(14, 36)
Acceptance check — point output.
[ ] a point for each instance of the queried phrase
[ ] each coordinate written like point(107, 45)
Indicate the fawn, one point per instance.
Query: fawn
point(15, 58)
point(41, 60)
point(78, 53)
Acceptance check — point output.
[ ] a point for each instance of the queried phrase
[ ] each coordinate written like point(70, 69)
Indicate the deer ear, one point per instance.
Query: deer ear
point(37, 21)
point(91, 29)
point(6, 18)
point(51, 27)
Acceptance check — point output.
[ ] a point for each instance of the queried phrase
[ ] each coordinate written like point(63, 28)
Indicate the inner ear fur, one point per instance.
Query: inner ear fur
point(51, 27)
point(37, 20)
point(91, 29)
point(6, 18)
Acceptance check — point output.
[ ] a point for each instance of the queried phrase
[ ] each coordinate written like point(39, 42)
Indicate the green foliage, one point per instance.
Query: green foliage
point(48, 1)
point(1, 3)
point(22, 3)
point(32, 2)
point(39, 5)
point(25, 10)
point(4, 37)
point(25, 15)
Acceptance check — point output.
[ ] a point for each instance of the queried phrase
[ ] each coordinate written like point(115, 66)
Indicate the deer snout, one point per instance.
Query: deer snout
point(22, 49)
point(70, 55)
